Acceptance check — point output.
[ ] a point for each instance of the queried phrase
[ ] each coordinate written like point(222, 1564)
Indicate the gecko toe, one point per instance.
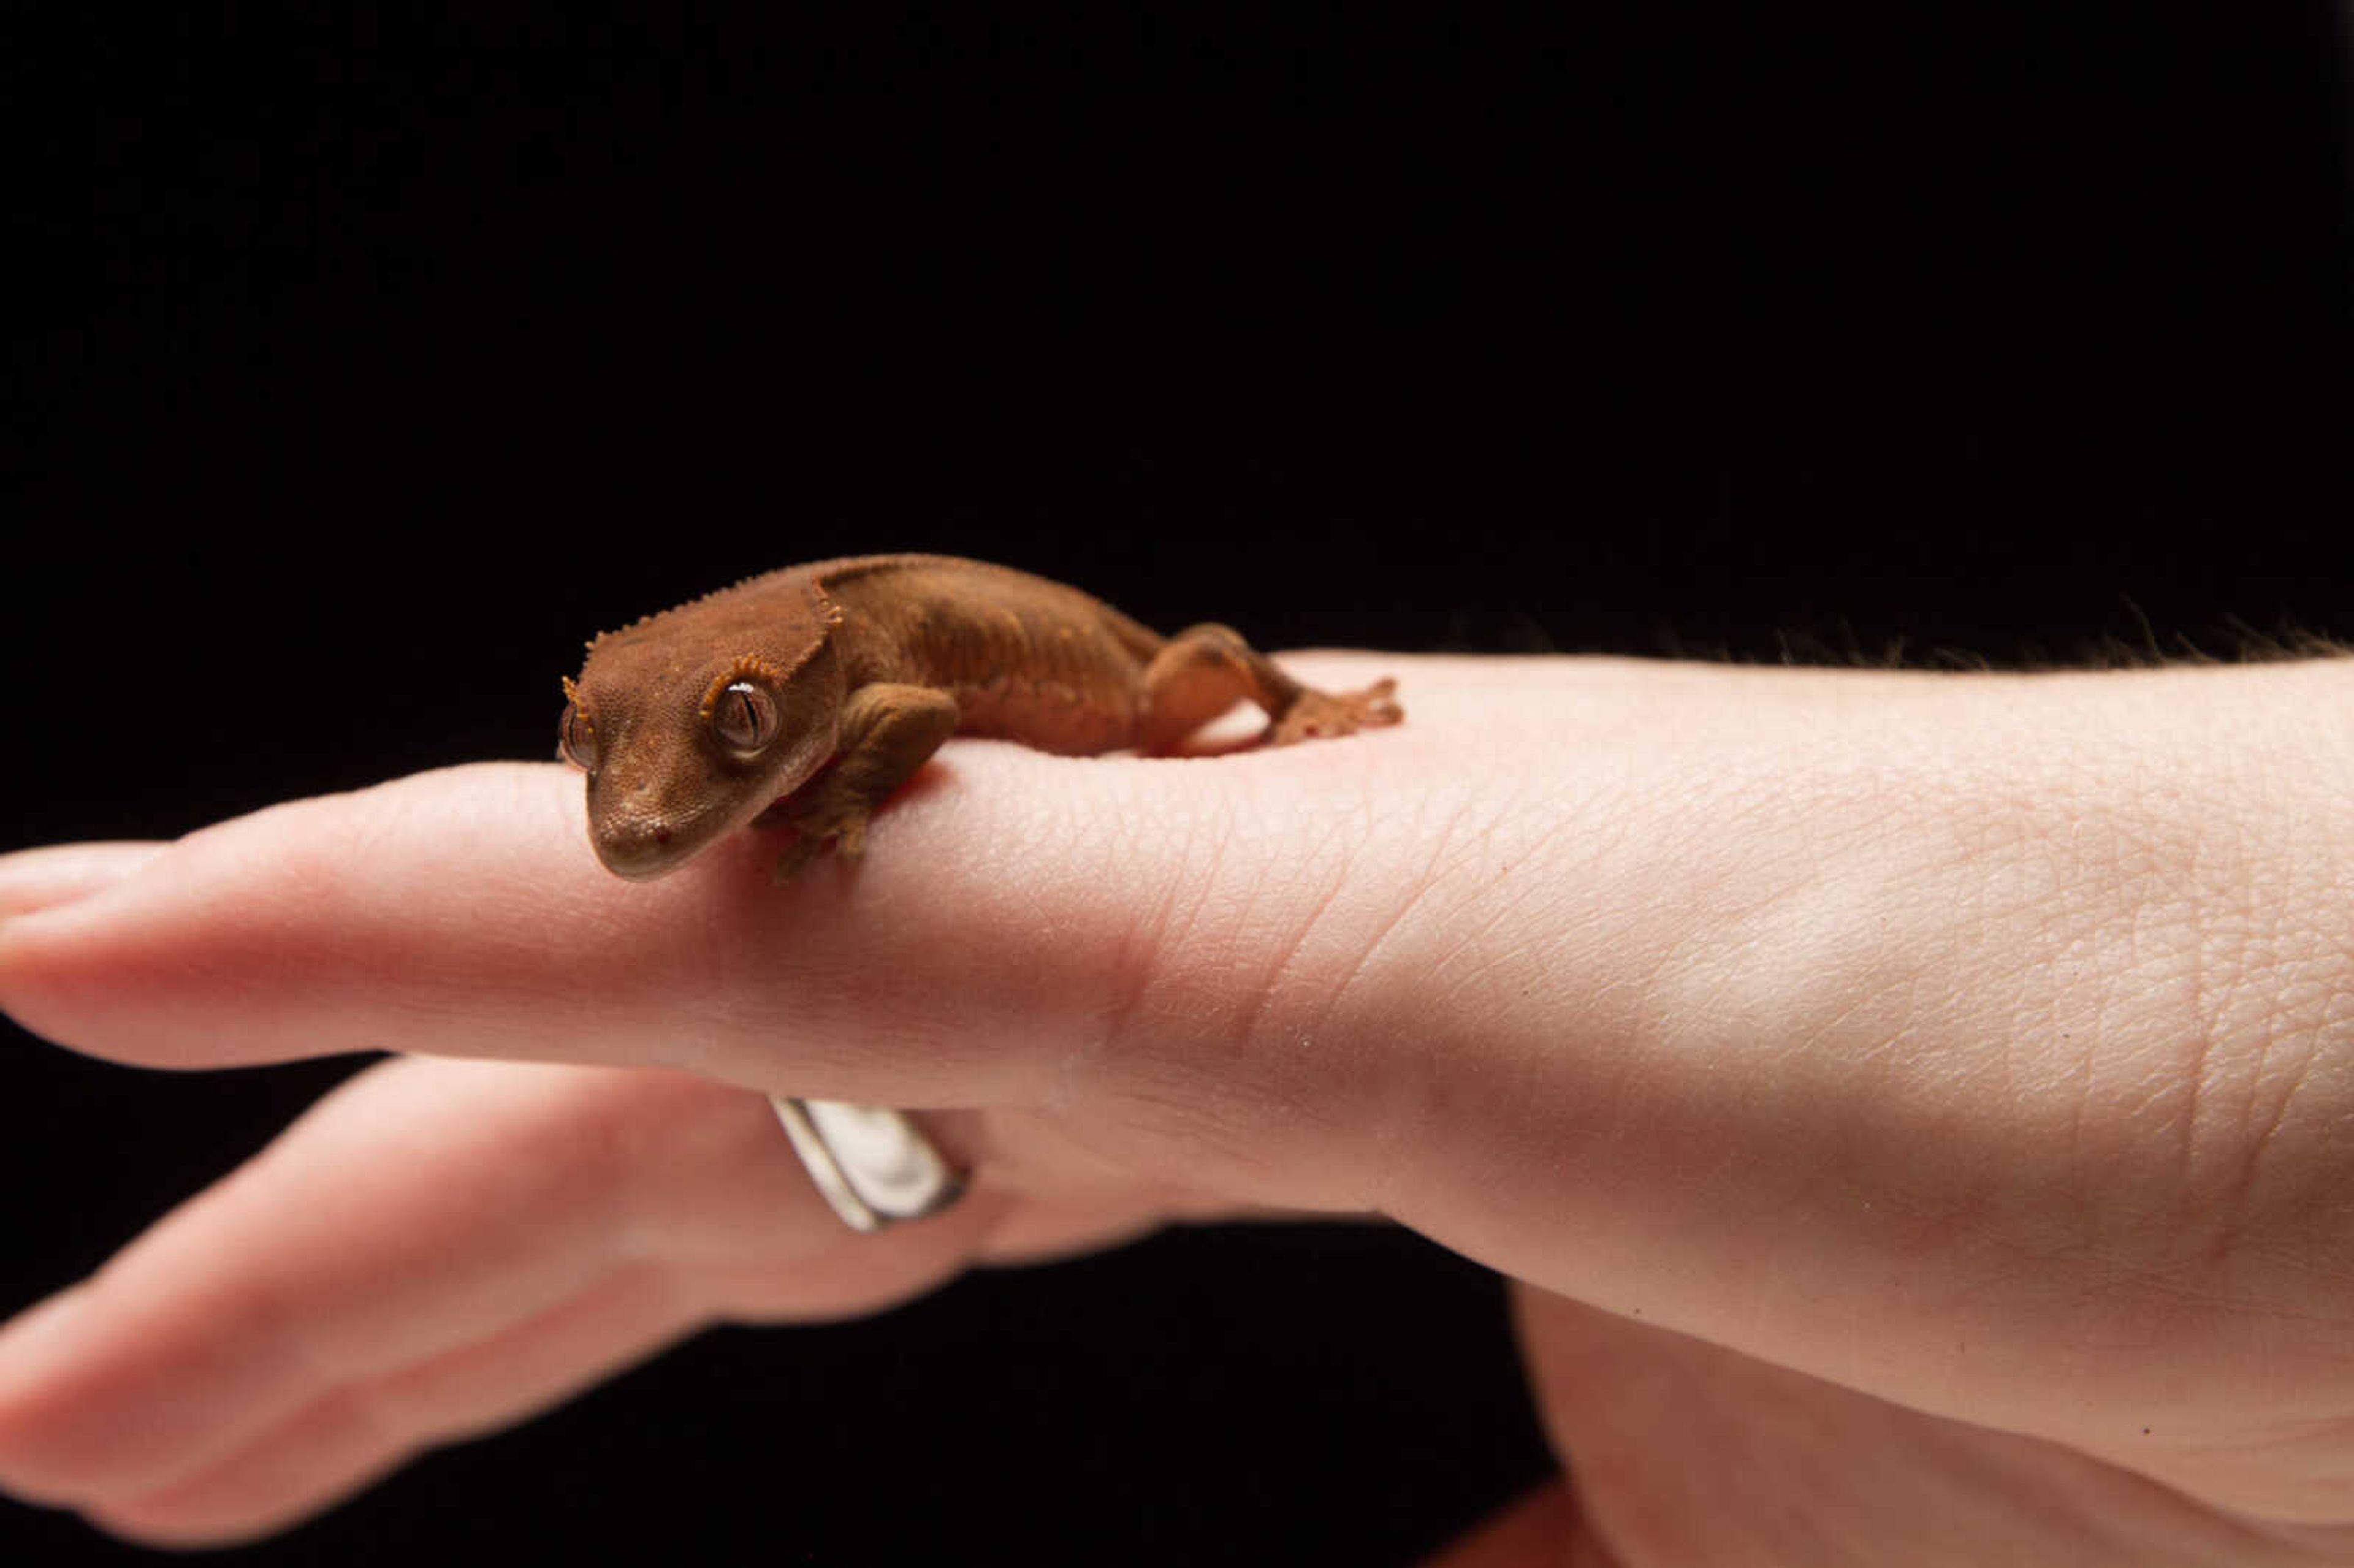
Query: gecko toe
point(795, 858)
point(1317, 714)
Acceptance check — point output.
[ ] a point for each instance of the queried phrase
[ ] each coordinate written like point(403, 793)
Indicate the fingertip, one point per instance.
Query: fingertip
point(33, 1338)
point(170, 1523)
point(37, 1346)
point(48, 980)
point(45, 894)
point(32, 880)
point(207, 1512)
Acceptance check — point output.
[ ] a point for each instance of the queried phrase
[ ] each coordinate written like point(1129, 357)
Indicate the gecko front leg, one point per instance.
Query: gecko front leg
point(887, 732)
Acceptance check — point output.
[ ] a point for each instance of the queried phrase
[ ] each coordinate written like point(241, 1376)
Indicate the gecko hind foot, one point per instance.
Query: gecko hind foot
point(1315, 714)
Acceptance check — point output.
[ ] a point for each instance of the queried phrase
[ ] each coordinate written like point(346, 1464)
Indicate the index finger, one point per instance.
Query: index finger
point(1003, 922)
point(459, 913)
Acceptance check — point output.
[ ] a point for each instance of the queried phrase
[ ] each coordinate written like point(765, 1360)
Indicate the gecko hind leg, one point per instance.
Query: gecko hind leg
point(1204, 669)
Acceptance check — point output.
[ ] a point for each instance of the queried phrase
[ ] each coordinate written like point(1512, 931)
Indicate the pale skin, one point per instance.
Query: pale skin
point(1916, 1111)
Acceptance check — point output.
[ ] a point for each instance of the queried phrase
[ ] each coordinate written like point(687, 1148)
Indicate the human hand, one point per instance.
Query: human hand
point(1910, 1106)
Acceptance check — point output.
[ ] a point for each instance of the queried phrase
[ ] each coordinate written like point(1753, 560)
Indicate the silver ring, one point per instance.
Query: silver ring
point(874, 1166)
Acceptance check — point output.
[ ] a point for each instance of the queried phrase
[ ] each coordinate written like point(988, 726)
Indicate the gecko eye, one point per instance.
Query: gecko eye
point(579, 738)
point(745, 718)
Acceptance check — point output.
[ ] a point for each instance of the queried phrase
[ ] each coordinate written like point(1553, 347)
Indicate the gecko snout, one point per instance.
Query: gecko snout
point(636, 852)
point(641, 818)
point(640, 830)
point(632, 835)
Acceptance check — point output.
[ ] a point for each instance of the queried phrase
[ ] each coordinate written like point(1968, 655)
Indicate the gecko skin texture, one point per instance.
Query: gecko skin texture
point(806, 697)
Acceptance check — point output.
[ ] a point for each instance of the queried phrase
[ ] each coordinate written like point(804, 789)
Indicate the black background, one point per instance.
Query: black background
point(363, 366)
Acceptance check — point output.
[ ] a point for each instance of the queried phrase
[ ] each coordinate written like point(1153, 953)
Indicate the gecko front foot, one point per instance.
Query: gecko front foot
point(795, 859)
point(836, 822)
point(1314, 715)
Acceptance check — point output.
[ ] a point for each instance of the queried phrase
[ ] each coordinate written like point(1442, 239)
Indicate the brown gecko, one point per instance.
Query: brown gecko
point(806, 697)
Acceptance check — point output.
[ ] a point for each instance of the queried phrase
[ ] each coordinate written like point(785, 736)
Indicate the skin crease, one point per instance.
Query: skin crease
point(1913, 1108)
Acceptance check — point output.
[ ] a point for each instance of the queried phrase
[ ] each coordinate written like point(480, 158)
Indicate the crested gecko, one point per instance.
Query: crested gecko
point(806, 697)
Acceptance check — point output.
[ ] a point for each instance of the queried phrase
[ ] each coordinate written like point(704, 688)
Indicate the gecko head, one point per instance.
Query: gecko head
point(688, 726)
